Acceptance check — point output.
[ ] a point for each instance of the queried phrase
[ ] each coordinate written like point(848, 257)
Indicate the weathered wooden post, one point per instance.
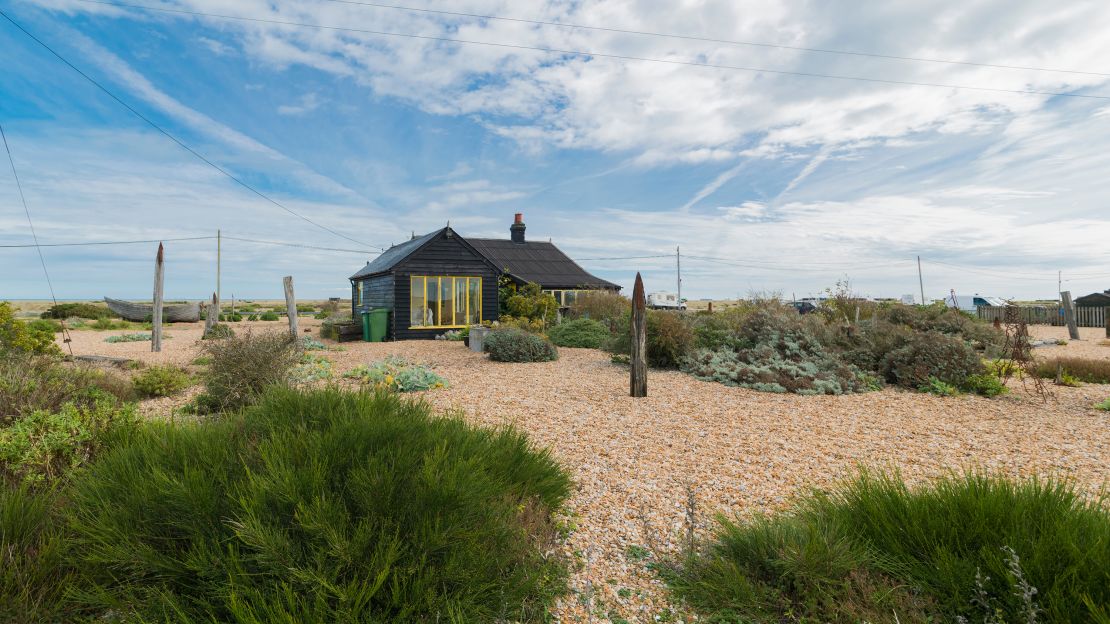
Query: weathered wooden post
point(290, 305)
point(1106, 317)
point(210, 315)
point(638, 357)
point(711, 307)
point(1069, 314)
point(156, 330)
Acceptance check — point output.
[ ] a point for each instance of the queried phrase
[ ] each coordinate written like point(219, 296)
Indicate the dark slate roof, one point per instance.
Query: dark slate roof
point(394, 255)
point(538, 262)
point(1094, 299)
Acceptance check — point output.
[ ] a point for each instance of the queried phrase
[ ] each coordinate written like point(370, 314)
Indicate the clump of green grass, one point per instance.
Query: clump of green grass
point(161, 381)
point(976, 547)
point(321, 506)
point(1082, 369)
point(268, 316)
point(35, 571)
point(1104, 406)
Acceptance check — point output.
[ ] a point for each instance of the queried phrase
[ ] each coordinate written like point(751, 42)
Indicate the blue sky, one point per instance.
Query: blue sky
point(767, 182)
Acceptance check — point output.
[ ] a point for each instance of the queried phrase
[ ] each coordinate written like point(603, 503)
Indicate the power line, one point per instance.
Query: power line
point(34, 235)
point(267, 242)
point(126, 242)
point(623, 57)
point(173, 138)
point(736, 42)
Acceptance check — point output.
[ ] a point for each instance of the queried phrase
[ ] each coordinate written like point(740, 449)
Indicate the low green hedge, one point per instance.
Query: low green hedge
point(516, 345)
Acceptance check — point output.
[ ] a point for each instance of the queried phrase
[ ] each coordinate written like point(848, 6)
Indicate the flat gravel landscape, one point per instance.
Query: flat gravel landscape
point(638, 463)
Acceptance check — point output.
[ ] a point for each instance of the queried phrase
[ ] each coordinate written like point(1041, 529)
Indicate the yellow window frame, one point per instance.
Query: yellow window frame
point(423, 281)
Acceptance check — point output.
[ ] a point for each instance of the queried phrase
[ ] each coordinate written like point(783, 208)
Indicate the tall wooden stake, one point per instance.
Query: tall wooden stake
point(1106, 314)
point(290, 305)
point(920, 280)
point(212, 315)
point(638, 359)
point(159, 275)
point(219, 245)
point(1069, 314)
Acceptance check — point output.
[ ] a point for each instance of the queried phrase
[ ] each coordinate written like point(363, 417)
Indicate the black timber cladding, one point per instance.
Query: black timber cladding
point(439, 253)
point(539, 262)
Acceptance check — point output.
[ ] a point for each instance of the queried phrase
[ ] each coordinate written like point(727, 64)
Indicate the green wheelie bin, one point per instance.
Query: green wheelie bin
point(379, 321)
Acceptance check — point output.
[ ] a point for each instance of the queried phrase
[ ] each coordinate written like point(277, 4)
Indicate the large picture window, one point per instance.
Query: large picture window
point(444, 301)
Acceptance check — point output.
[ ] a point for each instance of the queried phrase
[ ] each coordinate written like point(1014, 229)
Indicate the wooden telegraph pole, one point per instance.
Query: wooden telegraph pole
point(638, 358)
point(159, 275)
point(290, 305)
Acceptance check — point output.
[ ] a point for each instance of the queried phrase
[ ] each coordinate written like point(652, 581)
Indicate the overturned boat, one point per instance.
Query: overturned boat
point(176, 313)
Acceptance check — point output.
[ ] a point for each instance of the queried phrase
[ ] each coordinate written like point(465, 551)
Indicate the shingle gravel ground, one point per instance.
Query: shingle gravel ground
point(636, 461)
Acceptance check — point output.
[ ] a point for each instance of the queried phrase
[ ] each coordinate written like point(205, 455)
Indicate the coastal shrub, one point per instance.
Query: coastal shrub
point(44, 445)
point(33, 382)
point(218, 331)
point(532, 326)
point(985, 384)
point(321, 506)
point(268, 316)
point(308, 343)
point(15, 335)
point(1082, 369)
point(132, 338)
point(974, 547)
point(669, 338)
point(231, 317)
point(526, 302)
point(310, 369)
point(516, 345)
point(91, 311)
point(44, 326)
point(938, 387)
point(775, 350)
point(1104, 406)
point(244, 366)
point(582, 333)
point(930, 355)
point(397, 374)
point(161, 381)
point(604, 306)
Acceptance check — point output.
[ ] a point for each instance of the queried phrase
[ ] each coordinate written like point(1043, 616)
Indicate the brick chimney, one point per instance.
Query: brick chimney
point(516, 231)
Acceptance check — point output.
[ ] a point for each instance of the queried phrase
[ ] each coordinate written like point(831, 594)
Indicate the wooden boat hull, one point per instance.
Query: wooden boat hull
point(178, 313)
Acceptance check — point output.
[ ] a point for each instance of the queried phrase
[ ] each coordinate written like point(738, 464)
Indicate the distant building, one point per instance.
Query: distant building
point(1094, 300)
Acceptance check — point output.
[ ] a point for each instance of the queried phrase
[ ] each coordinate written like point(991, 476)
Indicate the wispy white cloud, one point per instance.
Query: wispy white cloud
point(308, 103)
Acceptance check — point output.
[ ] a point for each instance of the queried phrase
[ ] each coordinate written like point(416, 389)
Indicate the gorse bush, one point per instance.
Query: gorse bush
point(1082, 369)
point(515, 345)
point(161, 381)
point(321, 507)
point(30, 382)
point(969, 547)
point(17, 336)
point(397, 374)
point(582, 333)
point(931, 355)
point(986, 384)
point(268, 316)
point(244, 366)
point(45, 445)
point(91, 311)
point(43, 326)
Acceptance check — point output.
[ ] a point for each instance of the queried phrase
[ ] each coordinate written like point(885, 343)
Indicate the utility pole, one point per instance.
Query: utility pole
point(1059, 281)
point(920, 280)
point(219, 241)
point(678, 273)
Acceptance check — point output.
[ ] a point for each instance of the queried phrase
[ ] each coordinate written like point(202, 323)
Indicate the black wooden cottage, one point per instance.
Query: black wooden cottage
point(441, 281)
